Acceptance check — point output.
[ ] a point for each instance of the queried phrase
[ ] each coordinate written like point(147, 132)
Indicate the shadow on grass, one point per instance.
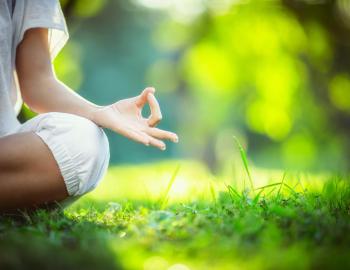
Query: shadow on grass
point(50, 240)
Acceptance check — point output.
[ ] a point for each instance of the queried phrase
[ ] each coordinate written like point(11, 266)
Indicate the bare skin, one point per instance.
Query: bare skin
point(29, 175)
point(28, 172)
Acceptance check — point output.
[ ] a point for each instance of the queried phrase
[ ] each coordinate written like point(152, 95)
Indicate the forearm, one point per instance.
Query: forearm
point(44, 93)
point(48, 94)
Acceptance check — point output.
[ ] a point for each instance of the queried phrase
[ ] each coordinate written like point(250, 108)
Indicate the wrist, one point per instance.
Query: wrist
point(94, 112)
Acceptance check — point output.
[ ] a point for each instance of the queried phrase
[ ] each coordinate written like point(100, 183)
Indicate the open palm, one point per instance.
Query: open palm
point(125, 117)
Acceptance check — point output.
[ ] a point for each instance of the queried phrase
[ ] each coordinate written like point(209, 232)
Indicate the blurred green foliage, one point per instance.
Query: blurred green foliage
point(274, 73)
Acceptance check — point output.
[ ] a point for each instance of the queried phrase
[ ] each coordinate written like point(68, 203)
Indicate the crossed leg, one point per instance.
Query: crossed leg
point(29, 174)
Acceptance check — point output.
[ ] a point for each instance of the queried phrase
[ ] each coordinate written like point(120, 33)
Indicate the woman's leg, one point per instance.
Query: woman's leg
point(29, 174)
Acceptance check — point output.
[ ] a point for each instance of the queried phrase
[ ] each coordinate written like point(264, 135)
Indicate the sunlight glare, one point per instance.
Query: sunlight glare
point(184, 11)
point(180, 188)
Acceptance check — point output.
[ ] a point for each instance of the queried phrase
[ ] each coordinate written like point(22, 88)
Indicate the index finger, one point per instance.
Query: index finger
point(156, 114)
point(142, 99)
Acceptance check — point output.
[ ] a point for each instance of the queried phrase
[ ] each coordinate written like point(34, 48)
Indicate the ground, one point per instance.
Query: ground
point(176, 215)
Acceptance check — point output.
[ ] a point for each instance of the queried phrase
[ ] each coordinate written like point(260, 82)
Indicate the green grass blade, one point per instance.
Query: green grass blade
point(212, 191)
point(280, 188)
point(272, 190)
point(257, 197)
point(270, 185)
point(231, 190)
point(245, 162)
point(301, 184)
point(290, 188)
point(165, 196)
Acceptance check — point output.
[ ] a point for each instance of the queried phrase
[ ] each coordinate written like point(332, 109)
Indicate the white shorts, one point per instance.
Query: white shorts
point(79, 147)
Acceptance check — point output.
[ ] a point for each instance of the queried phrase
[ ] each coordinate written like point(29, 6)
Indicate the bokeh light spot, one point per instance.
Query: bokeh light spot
point(339, 92)
point(88, 8)
point(68, 67)
point(299, 151)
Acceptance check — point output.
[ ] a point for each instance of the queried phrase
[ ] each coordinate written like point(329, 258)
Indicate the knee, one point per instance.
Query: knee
point(90, 153)
point(80, 148)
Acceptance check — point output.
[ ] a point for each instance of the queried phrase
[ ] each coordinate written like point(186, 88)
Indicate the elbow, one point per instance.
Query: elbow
point(32, 89)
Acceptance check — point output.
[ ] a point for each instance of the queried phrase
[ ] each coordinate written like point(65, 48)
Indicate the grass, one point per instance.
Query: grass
point(165, 197)
point(245, 162)
point(163, 216)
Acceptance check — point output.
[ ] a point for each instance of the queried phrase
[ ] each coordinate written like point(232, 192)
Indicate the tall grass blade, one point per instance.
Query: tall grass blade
point(257, 197)
point(270, 185)
point(280, 188)
point(165, 197)
point(271, 191)
point(301, 184)
point(212, 191)
point(245, 162)
point(291, 189)
point(232, 191)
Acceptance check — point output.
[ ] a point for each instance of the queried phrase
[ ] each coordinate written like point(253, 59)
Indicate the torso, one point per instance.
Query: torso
point(8, 96)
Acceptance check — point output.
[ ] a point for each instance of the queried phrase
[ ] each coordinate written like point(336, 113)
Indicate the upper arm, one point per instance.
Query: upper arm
point(33, 61)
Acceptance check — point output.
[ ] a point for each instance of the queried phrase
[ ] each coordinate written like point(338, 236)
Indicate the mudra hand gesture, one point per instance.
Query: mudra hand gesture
point(125, 117)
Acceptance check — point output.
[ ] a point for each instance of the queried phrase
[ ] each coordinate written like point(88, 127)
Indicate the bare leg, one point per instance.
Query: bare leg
point(29, 174)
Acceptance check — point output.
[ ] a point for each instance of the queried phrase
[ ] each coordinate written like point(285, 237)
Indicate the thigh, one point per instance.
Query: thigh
point(29, 174)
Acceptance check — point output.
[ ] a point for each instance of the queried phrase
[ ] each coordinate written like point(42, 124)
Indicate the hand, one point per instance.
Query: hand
point(125, 118)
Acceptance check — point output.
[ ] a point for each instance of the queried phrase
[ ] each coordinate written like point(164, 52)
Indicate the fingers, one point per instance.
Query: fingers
point(141, 100)
point(156, 135)
point(156, 114)
point(145, 139)
point(156, 143)
point(137, 137)
point(162, 134)
point(147, 95)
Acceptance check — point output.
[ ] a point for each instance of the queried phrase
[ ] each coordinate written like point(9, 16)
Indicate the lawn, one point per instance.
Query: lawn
point(176, 215)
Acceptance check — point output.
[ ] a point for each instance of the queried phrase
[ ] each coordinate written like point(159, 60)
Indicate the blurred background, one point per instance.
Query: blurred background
point(275, 74)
